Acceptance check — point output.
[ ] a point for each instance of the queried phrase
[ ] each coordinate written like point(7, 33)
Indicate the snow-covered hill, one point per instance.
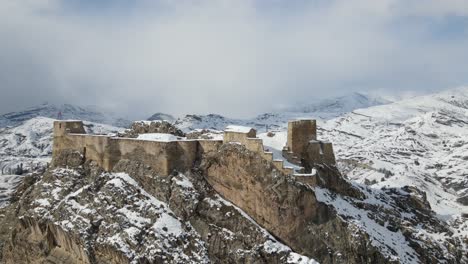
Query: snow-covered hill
point(339, 105)
point(161, 117)
point(8, 184)
point(66, 111)
point(320, 109)
point(421, 141)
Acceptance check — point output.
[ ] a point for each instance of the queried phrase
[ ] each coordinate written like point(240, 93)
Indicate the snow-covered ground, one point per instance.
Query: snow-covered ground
point(421, 141)
point(158, 137)
point(66, 111)
point(318, 109)
point(8, 184)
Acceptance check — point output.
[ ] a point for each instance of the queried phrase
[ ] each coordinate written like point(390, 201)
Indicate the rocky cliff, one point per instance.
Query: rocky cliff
point(233, 207)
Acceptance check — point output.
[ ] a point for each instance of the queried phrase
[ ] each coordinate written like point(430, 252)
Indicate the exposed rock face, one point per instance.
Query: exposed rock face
point(77, 213)
point(161, 117)
point(333, 222)
point(84, 215)
point(463, 200)
point(287, 208)
point(204, 134)
point(143, 127)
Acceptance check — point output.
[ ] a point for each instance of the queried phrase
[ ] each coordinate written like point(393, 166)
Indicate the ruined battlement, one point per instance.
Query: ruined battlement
point(302, 147)
point(181, 155)
point(162, 156)
point(300, 133)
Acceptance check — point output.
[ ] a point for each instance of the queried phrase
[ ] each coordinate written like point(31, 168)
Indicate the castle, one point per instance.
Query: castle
point(166, 156)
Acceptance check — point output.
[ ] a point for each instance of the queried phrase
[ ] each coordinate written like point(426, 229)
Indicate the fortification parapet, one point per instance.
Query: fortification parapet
point(303, 148)
point(247, 137)
point(162, 156)
point(300, 132)
point(239, 134)
point(181, 154)
point(62, 128)
point(320, 152)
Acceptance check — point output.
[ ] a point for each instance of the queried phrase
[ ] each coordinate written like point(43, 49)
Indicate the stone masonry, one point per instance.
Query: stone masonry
point(182, 155)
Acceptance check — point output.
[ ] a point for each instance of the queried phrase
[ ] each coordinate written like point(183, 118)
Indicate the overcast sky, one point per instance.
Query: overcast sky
point(232, 57)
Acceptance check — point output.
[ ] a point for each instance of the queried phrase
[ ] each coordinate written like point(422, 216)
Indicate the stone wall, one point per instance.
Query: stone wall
point(163, 157)
point(182, 155)
point(65, 127)
point(303, 148)
point(320, 152)
point(286, 208)
point(230, 136)
point(300, 132)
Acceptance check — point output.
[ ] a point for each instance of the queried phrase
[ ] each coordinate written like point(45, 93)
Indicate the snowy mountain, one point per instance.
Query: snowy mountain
point(66, 111)
point(161, 116)
point(321, 109)
point(339, 105)
point(421, 142)
point(406, 158)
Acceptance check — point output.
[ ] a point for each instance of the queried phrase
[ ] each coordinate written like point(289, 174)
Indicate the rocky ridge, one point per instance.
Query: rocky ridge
point(78, 213)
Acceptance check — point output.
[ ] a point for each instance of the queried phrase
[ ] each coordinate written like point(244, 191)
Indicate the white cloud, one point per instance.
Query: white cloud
point(233, 57)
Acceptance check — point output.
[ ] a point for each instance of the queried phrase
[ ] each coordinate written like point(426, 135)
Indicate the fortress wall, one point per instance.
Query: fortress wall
point(163, 157)
point(320, 152)
point(209, 145)
point(287, 171)
point(255, 145)
point(328, 154)
point(184, 157)
point(311, 180)
point(92, 147)
point(300, 132)
point(314, 152)
point(235, 137)
point(278, 164)
point(151, 153)
point(62, 128)
point(97, 149)
point(267, 155)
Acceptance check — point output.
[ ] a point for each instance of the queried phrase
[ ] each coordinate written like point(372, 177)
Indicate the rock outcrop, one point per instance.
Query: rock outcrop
point(85, 215)
point(233, 207)
point(156, 126)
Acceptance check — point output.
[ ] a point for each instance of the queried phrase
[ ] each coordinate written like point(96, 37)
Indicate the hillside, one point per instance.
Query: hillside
point(67, 111)
point(406, 159)
point(323, 109)
point(420, 142)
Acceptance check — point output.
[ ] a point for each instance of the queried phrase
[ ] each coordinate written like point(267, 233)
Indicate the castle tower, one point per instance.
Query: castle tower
point(300, 133)
point(302, 147)
point(62, 128)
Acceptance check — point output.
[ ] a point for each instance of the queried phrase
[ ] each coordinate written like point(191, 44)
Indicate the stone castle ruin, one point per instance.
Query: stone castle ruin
point(166, 156)
point(273, 187)
point(303, 148)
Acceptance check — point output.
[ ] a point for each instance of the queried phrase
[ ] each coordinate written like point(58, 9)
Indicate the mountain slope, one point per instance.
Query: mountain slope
point(321, 109)
point(66, 111)
point(422, 142)
point(340, 104)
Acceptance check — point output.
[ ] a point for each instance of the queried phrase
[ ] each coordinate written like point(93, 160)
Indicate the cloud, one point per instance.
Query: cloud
point(237, 58)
